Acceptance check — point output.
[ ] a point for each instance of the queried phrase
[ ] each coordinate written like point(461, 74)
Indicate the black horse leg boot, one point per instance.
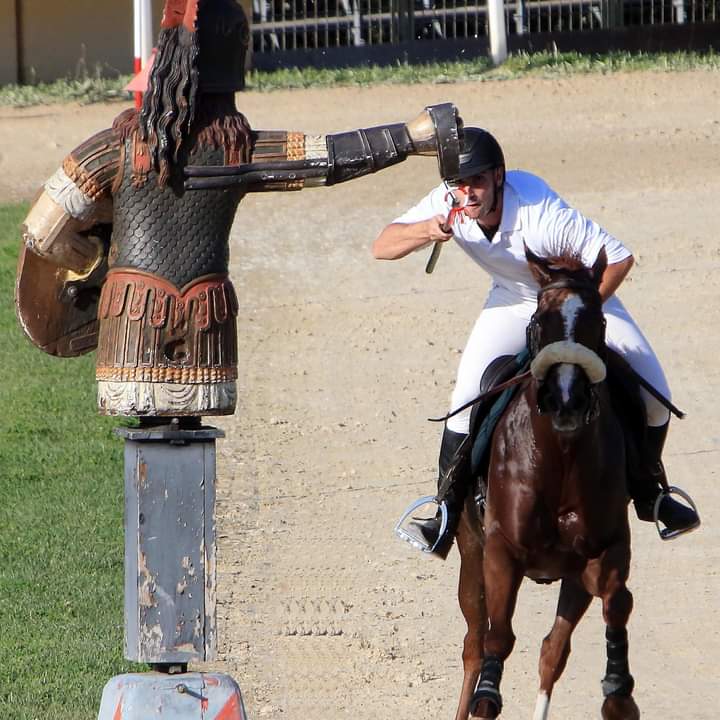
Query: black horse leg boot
point(676, 517)
point(452, 487)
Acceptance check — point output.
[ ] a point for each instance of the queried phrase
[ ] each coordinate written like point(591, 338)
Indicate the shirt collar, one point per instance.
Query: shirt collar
point(510, 219)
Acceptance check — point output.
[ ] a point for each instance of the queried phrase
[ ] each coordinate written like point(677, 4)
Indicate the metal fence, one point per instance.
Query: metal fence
point(287, 25)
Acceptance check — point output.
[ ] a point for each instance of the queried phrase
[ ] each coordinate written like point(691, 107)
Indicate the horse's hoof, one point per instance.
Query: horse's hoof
point(620, 708)
point(484, 709)
point(490, 716)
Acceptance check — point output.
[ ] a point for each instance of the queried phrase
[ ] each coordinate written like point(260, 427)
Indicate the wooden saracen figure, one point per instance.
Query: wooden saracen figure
point(140, 264)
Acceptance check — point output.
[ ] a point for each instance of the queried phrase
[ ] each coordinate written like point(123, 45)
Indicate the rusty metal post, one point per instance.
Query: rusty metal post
point(170, 544)
point(170, 579)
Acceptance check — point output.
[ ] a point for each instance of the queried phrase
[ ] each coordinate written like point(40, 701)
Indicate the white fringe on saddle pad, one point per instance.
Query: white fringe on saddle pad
point(567, 351)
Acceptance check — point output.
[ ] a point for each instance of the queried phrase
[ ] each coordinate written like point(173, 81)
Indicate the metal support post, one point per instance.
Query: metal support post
point(680, 15)
point(146, 32)
point(497, 31)
point(519, 17)
point(170, 575)
point(170, 544)
point(137, 45)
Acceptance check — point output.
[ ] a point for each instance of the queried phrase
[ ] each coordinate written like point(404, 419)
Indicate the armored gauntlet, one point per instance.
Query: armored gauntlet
point(291, 161)
point(436, 131)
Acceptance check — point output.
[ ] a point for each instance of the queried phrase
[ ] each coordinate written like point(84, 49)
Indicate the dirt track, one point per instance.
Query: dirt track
point(323, 614)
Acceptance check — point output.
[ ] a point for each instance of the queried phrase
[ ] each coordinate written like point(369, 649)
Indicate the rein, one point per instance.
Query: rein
point(528, 374)
point(532, 345)
point(492, 391)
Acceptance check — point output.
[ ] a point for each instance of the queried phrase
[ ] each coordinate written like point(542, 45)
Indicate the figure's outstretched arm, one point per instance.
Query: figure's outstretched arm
point(291, 161)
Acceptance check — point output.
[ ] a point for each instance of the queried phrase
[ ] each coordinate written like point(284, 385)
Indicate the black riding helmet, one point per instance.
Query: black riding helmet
point(481, 151)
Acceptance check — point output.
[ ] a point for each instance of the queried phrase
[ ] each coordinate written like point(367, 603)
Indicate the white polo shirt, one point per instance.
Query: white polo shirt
point(534, 214)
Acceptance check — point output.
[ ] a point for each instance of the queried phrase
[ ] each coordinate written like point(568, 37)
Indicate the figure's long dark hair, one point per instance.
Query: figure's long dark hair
point(168, 108)
point(175, 112)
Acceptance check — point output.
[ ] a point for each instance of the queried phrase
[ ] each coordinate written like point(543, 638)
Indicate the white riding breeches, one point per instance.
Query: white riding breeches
point(500, 330)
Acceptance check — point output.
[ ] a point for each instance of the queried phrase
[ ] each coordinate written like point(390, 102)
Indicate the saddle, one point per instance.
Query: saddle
point(473, 456)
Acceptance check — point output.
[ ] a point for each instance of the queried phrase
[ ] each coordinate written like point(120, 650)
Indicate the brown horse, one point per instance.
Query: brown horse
point(556, 506)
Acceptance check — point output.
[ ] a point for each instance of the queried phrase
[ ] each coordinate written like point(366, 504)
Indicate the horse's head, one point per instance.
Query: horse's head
point(566, 338)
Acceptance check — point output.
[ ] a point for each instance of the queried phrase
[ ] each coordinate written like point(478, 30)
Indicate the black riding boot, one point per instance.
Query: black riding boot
point(453, 497)
point(676, 517)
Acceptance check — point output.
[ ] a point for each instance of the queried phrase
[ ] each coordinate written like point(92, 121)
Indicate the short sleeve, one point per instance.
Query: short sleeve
point(434, 203)
point(569, 230)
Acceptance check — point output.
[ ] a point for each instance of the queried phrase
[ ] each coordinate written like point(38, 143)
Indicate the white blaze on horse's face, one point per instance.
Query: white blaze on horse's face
point(571, 307)
point(565, 375)
point(570, 310)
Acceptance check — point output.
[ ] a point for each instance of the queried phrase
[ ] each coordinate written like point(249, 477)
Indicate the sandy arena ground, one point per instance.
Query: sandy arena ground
point(323, 613)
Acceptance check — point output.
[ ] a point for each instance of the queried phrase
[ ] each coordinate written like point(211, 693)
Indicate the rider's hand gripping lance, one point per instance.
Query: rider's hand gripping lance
point(456, 208)
point(446, 227)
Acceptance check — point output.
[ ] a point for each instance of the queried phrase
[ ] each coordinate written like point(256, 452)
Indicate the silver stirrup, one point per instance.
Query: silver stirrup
point(407, 530)
point(664, 533)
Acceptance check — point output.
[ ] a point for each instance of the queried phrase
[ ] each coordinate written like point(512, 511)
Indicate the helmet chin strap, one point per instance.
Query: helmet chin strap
point(496, 194)
point(495, 199)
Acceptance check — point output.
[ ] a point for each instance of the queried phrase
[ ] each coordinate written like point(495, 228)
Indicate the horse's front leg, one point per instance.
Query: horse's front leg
point(609, 577)
point(572, 604)
point(471, 595)
point(503, 575)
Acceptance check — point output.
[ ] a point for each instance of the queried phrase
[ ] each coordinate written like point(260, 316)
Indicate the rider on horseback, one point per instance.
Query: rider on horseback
point(493, 216)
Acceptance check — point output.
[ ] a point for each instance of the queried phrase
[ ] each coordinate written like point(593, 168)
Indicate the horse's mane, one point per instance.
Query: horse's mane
point(566, 262)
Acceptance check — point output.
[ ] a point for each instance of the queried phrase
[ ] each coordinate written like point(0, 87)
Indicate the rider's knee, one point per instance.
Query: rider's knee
point(657, 413)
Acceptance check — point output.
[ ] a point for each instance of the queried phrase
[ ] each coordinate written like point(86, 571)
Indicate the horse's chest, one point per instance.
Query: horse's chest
point(563, 545)
point(576, 533)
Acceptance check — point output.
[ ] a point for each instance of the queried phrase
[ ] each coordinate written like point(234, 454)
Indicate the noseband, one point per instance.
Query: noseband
point(566, 351)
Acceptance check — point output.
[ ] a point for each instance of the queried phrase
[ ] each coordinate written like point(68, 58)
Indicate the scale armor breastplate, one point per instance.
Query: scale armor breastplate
point(176, 234)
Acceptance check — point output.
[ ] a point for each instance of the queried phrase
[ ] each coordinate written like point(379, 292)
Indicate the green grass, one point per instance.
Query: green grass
point(520, 65)
point(544, 64)
point(63, 91)
point(61, 529)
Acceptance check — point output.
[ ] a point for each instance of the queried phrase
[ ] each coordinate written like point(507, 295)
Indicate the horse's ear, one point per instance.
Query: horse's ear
point(598, 268)
point(538, 267)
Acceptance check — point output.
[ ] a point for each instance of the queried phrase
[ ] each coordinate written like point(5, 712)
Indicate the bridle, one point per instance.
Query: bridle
point(533, 349)
point(533, 333)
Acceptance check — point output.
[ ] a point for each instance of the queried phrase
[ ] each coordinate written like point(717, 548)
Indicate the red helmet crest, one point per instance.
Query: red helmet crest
point(180, 12)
